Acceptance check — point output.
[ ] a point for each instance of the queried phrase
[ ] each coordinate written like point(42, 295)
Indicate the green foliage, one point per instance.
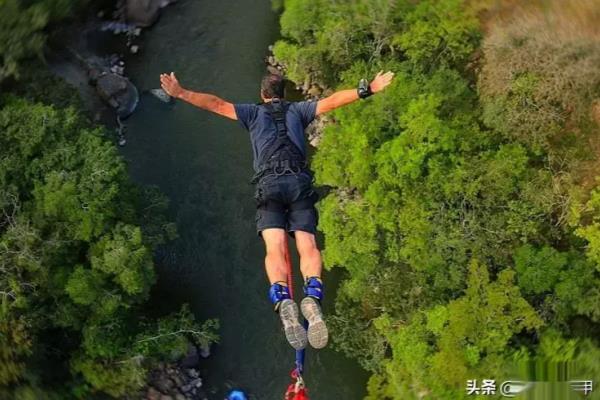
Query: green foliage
point(22, 30)
point(324, 38)
point(124, 257)
point(439, 33)
point(15, 345)
point(39, 85)
point(116, 363)
point(563, 284)
point(76, 240)
point(539, 270)
point(470, 334)
point(431, 174)
point(171, 335)
point(557, 359)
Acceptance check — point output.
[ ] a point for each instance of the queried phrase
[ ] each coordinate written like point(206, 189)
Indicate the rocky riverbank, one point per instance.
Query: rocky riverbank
point(176, 381)
point(82, 58)
point(89, 54)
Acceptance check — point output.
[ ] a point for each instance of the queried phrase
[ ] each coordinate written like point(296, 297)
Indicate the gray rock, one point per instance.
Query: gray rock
point(306, 85)
point(142, 13)
point(205, 351)
point(314, 91)
point(110, 84)
point(192, 386)
point(118, 92)
point(164, 97)
point(134, 49)
point(315, 130)
point(152, 394)
point(165, 3)
point(186, 388)
point(116, 27)
point(177, 380)
point(164, 384)
point(193, 373)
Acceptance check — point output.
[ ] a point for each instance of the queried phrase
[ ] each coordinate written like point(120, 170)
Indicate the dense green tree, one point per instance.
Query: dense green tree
point(76, 259)
point(470, 334)
point(446, 167)
point(22, 30)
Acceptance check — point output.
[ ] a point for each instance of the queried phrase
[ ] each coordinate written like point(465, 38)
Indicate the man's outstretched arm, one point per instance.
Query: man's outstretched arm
point(343, 97)
point(209, 102)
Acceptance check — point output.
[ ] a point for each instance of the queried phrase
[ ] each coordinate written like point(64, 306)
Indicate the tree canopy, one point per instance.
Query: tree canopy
point(23, 30)
point(76, 260)
point(462, 200)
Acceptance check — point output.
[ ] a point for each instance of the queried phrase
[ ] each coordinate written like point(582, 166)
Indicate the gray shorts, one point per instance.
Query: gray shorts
point(286, 202)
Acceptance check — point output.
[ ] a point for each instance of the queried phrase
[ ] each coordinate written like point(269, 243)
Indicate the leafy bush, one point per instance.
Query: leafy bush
point(22, 30)
point(76, 260)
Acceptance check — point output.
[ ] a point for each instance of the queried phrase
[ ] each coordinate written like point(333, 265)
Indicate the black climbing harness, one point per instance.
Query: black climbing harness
point(282, 156)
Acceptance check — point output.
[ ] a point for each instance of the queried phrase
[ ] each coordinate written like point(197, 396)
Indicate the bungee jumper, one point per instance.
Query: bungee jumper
point(285, 197)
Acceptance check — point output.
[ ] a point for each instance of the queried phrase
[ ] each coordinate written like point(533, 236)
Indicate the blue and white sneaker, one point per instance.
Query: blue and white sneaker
point(294, 331)
point(318, 336)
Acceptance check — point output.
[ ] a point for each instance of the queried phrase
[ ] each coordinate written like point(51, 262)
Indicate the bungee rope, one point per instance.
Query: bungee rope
point(296, 390)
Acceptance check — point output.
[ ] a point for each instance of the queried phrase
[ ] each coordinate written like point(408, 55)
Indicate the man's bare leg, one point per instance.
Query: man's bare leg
point(311, 267)
point(275, 243)
point(275, 265)
point(310, 256)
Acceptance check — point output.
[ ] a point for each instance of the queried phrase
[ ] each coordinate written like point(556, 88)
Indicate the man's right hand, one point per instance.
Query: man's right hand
point(170, 84)
point(209, 102)
point(381, 81)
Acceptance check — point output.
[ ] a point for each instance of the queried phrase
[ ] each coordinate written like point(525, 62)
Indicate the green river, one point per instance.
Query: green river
point(203, 164)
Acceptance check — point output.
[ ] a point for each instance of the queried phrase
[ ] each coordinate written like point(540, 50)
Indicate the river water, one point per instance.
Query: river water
point(203, 164)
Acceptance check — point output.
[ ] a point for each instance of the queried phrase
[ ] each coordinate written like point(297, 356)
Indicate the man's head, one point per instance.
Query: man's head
point(272, 86)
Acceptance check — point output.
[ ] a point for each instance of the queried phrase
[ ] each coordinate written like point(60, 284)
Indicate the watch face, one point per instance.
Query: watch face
point(363, 89)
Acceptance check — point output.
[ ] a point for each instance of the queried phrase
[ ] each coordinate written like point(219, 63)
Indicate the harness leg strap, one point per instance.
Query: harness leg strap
point(313, 287)
point(278, 293)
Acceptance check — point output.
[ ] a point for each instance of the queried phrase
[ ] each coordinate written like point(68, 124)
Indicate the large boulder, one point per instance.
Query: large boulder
point(118, 92)
point(143, 13)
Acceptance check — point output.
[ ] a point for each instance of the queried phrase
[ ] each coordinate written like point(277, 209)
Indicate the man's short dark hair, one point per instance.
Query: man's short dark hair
point(272, 85)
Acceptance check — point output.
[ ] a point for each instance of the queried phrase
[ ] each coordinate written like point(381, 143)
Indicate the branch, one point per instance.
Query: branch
point(193, 332)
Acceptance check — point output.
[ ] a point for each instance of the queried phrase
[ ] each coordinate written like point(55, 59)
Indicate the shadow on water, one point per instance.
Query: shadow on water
point(203, 164)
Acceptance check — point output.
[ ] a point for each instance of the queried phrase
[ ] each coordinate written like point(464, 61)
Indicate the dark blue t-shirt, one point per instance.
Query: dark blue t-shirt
point(256, 119)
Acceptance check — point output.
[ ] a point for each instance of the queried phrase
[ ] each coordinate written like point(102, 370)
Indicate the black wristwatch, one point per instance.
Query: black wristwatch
point(364, 89)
